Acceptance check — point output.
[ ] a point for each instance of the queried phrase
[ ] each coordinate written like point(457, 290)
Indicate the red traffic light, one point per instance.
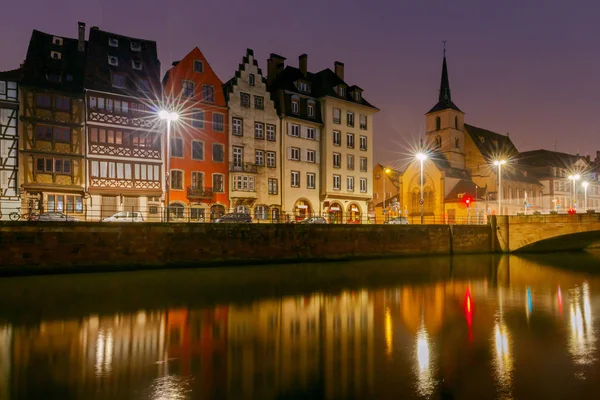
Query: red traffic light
point(467, 199)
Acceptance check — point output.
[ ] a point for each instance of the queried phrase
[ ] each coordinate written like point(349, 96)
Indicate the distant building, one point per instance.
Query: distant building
point(199, 151)
point(390, 192)
point(255, 152)
point(51, 137)
point(9, 141)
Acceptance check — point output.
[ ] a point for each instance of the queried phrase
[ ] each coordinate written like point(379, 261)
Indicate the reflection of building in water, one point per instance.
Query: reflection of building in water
point(196, 344)
point(5, 360)
point(581, 341)
point(348, 341)
point(422, 305)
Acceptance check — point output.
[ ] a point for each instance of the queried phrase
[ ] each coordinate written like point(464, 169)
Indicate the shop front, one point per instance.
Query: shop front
point(353, 214)
point(335, 213)
point(302, 210)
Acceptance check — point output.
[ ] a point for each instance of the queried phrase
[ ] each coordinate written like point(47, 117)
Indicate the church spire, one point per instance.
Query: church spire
point(445, 98)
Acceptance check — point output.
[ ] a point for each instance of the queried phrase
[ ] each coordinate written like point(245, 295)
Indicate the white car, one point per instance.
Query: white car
point(125, 216)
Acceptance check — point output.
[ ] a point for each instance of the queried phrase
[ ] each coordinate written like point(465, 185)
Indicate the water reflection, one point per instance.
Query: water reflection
point(464, 333)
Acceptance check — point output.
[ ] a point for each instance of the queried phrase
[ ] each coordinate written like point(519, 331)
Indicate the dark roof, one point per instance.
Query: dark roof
point(326, 82)
point(98, 72)
point(39, 64)
point(283, 88)
point(228, 86)
point(492, 144)
point(15, 75)
point(445, 98)
point(547, 158)
point(464, 186)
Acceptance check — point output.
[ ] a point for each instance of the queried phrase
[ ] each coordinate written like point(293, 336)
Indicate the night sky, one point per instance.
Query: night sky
point(529, 68)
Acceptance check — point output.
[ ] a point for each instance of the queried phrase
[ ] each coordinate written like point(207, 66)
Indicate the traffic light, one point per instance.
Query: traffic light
point(467, 199)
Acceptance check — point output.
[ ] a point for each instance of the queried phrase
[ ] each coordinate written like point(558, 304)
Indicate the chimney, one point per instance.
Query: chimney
point(588, 159)
point(81, 37)
point(303, 64)
point(275, 65)
point(339, 69)
point(597, 157)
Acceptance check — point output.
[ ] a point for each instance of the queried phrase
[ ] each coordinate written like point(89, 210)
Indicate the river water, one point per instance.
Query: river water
point(464, 327)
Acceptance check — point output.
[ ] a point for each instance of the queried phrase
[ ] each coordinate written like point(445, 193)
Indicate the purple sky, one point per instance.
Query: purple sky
point(529, 68)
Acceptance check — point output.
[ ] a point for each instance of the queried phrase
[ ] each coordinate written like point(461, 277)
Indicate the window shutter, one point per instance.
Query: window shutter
point(289, 129)
point(303, 155)
point(317, 159)
point(289, 153)
point(317, 134)
point(303, 132)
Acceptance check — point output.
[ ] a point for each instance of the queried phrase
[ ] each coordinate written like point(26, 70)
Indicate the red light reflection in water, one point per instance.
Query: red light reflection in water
point(468, 305)
point(559, 301)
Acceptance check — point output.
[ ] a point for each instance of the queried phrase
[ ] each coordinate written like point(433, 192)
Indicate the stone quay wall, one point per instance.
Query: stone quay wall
point(63, 247)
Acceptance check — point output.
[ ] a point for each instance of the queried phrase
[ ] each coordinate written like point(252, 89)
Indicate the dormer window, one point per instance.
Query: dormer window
point(251, 79)
point(113, 42)
point(112, 60)
point(136, 64)
point(342, 91)
point(310, 109)
point(358, 97)
point(57, 41)
point(55, 55)
point(295, 106)
point(303, 87)
point(135, 46)
point(53, 77)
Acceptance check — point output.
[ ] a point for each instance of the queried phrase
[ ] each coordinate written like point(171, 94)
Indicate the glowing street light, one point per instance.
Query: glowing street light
point(421, 157)
point(499, 163)
point(386, 171)
point(169, 117)
point(585, 186)
point(574, 178)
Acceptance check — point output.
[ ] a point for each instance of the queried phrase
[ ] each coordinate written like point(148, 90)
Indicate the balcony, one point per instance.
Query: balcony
point(243, 167)
point(199, 192)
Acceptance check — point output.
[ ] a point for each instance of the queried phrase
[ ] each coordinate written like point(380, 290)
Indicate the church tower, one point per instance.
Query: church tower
point(445, 125)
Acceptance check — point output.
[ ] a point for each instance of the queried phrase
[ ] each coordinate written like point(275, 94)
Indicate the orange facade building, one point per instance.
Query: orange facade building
point(199, 140)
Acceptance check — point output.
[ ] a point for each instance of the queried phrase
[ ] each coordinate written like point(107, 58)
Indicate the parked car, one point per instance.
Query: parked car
point(397, 221)
point(125, 216)
point(56, 217)
point(234, 218)
point(314, 220)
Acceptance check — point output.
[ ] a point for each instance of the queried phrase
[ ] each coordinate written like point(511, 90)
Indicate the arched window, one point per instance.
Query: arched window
point(429, 201)
point(415, 208)
point(455, 122)
point(176, 210)
point(438, 123)
point(261, 212)
point(242, 209)
point(438, 141)
point(457, 142)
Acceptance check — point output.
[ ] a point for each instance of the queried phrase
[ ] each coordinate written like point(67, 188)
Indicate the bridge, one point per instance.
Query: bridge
point(540, 233)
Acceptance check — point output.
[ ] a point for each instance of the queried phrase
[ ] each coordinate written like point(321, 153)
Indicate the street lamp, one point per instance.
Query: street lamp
point(499, 163)
point(422, 157)
point(585, 186)
point(574, 178)
point(386, 171)
point(168, 116)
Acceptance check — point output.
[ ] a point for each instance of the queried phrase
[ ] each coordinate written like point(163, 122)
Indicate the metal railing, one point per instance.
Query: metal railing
point(199, 192)
point(243, 167)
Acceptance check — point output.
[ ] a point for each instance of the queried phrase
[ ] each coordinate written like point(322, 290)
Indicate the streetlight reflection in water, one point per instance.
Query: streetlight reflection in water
point(581, 342)
point(424, 371)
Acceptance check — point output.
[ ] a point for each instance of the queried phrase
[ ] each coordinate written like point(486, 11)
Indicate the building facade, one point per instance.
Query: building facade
point(198, 151)
point(51, 142)
point(255, 144)
point(9, 142)
point(124, 135)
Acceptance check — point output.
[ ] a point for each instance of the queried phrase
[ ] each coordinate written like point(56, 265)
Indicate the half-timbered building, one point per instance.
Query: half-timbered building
point(9, 141)
point(51, 157)
point(124, 140)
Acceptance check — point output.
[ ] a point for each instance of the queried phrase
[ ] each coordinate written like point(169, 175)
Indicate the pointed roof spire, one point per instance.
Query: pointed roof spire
point(445, 98)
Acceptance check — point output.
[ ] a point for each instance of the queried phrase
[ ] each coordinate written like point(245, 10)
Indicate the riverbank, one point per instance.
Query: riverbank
point(27, 248)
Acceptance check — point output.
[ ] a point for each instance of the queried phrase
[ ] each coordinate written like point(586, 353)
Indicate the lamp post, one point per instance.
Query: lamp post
point(385, 172)
point(499, 163)
point(168, 116)
point(574, 178)
point(585, 186)
point(422, 157)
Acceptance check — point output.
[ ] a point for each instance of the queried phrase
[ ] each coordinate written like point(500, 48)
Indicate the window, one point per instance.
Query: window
point(358, 97)
point(342, 91)
point(363, 164)
point(271, 137)
point(294, 153)
point(198, 66)
point(438, 123)
point(337, 160)
point(251, 79)
point(114, 61)
point(350, 183)
point(337, 138)
point(350, 140)
point(218, 181)
point(208, 93)
point(143, 85)
point(238, 156)
point(218, 152)
point(62, 103)
point(363, 122)
point(310, 133)
point(310, 180)
point(350, 162)
point(350, 119)
point(135, 46)
point(112, 42)
point(53, 77)
point(245, 100)
point(187, 88)
point(304, 87)
point(311, 110)
point(260, 157)
point(238, 127)
point(363, 185)
point(259, 130)
point(176, 179)
point(337, 116)
point(57, 41)
point(363, 143)
point(58, 134)
point(2, 87)
point(51, 165)
point(197, 150)
point(295, 106)
point(455, 122)
point(271, 159)
point(259, 102)
point(295, 131)
point(337, 182)
point(43, 100)
point(135, 64)
point(311, 156)
point(118, 80)
point(273, 186)
point(243, 182)
point(197, 118)
point(295, 179)
point(176, 147)
point(197, 180)
point(218, 120)
point(261, 212)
